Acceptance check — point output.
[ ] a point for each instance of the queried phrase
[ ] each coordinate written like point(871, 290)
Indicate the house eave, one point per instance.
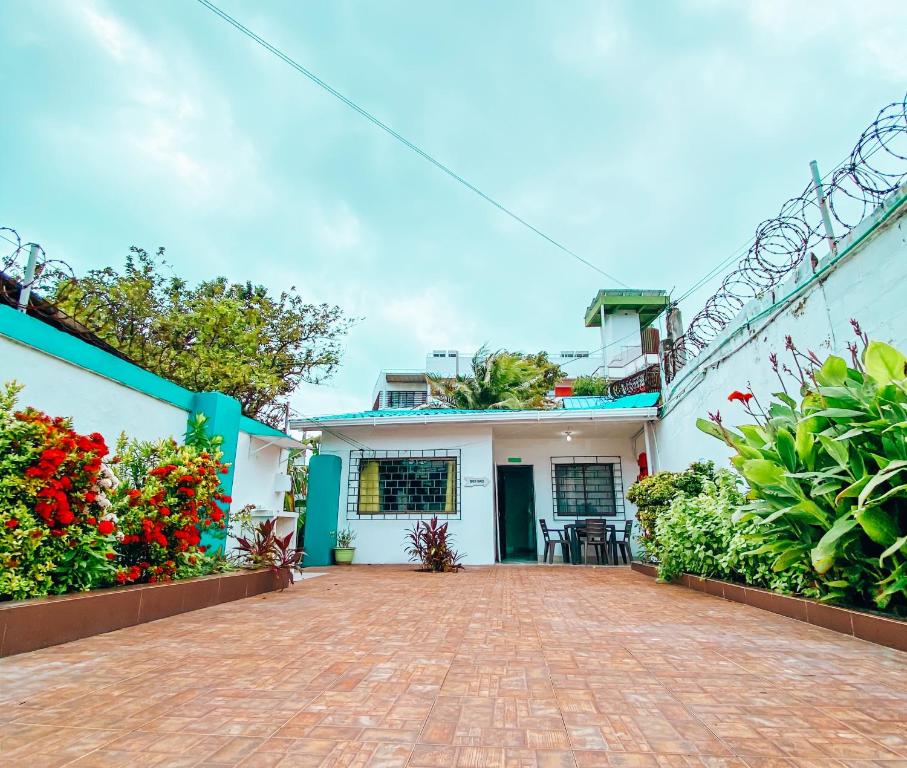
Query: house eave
point(426, 418)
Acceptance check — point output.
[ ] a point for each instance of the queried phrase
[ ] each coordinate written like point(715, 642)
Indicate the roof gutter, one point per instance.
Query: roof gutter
point(498, 417)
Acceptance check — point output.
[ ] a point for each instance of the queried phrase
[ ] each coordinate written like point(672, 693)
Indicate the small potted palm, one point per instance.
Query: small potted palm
point(344, 551)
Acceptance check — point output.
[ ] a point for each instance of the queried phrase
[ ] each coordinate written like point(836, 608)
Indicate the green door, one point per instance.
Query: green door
point(516, 514)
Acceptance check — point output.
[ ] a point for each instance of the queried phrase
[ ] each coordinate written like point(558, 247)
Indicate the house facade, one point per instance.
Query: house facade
point(494, 475)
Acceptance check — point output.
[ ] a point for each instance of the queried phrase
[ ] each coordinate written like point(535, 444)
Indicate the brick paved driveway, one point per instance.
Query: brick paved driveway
point(516, 667)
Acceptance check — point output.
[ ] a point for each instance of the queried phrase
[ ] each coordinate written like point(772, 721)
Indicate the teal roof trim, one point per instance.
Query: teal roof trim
point(255, 427)
point(644, 400)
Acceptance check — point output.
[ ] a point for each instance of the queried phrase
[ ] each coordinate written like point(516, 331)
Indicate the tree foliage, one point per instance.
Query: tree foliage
point(501, 380)
point(215, 336)
point(591, 386)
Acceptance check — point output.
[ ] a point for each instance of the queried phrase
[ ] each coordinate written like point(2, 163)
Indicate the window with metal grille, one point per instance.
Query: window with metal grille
point(403, 484)
point(587, 486)
point(395, 399)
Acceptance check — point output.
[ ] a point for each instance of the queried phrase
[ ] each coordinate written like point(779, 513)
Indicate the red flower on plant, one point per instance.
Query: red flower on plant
point(105, 527)
point(743, 397)
point(12, 523)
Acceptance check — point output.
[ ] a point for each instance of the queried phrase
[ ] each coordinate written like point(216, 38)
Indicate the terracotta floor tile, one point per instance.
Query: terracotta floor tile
point(513, 667)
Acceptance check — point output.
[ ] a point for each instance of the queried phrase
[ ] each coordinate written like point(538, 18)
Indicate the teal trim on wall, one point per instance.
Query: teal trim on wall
point(223, 414)
point(33, 333)
point(255, 427)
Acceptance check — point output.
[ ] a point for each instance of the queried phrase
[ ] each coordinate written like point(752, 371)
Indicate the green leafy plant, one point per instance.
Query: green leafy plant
point(344, 538)
point(500, 380)
point(429, 543)
point(654, 494)
point(591, 386)
point(828, 473)
point(56, 525)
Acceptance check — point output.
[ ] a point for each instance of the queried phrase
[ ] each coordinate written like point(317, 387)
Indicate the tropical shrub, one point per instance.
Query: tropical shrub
point(428, 543)
point(56, 530)
point(167, 496)
point(653, 495)
point(591, 386)
point(500, 380)
point(265, 549)
point(828, 474)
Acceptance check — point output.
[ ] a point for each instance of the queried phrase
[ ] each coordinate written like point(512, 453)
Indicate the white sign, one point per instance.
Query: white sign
point(475, 482)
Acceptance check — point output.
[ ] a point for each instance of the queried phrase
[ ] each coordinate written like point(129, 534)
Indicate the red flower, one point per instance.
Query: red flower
point(12, 524)
point(226, 499)
point(91, 497)
point(743, 397)
point(65, 516)
point(111, 555)
point(105, 527)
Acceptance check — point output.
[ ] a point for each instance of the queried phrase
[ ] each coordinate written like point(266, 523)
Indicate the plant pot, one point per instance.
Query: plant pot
point(344, 555)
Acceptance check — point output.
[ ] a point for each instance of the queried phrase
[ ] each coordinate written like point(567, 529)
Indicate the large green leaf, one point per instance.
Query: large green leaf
point(784, 442)
point(883, 476)
point(710, 428)
point(898, 545)
point(833, 372)
point(763, 472)
point(823, 554)
point(884, 363)
point(837, 451)
point(878, 525)
point(804, 440)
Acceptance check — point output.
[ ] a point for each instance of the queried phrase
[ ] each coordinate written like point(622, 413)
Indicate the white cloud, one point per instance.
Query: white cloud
point(432, 319)
point(339, 229)
point(166, 124)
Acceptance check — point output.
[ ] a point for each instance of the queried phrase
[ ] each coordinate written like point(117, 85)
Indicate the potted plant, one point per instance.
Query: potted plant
point(343, 552)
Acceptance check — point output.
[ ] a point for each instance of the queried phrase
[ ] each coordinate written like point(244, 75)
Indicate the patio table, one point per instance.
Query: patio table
point(575, 531)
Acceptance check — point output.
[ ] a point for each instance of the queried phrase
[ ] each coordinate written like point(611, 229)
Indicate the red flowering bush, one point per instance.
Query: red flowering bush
point(169, 495)
point(53, 535)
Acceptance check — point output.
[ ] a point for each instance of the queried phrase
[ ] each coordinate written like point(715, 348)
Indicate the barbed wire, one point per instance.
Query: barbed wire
point(875, 168)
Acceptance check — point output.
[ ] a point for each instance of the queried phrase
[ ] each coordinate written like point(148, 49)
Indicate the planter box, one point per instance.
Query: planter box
point(861, 624)
point(26, 625)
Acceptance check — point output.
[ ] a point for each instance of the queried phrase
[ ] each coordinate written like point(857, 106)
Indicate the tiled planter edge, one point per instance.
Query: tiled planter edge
point(27, 625)
point(865, 626)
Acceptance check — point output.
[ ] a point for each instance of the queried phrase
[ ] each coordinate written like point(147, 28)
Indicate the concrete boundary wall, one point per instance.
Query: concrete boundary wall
point(864, 281)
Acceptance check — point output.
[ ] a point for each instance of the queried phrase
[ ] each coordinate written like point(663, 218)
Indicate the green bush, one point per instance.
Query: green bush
point(591, 386)
point(704, 535)
point(653, 495)
point(828, 476)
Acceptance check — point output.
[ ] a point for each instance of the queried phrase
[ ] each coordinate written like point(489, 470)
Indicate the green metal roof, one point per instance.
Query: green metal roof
point(256, 427)
point(649, 303)
point(643, 400)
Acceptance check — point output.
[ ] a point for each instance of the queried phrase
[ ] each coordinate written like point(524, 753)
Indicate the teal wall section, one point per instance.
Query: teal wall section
point(321, 509)
point(34, 333)
point(223, 414)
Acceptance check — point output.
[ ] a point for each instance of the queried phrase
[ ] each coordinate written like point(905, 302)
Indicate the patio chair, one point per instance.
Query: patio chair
point(551, 544)
point(596, 537)
point(623, 544)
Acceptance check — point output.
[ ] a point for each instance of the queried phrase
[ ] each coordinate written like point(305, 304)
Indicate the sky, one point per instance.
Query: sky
point(649, 137)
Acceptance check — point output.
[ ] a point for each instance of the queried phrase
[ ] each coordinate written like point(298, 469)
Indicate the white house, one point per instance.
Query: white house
point(494, 475)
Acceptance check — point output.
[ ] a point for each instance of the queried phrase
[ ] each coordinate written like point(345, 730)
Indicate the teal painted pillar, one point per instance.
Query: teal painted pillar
point(322, 505)
point(223, 414)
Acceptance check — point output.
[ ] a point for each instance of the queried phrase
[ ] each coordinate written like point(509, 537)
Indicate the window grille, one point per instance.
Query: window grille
point(404, 484)
point(587, 486)
point(402, 399)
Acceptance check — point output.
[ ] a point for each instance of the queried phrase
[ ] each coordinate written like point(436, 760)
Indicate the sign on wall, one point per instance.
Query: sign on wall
point(475, 482)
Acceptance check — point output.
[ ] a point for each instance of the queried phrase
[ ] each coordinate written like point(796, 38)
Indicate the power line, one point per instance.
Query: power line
point(402, 139)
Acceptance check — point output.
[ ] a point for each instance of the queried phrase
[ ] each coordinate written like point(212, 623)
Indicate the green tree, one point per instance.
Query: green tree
point(217, 335)
point(504, 380)
point(596, 386)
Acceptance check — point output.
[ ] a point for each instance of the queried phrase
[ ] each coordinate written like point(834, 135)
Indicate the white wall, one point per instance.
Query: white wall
point(254, 474)
point(95, 403)
point(867, 285)
point(380, 539)
point(539, 452)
